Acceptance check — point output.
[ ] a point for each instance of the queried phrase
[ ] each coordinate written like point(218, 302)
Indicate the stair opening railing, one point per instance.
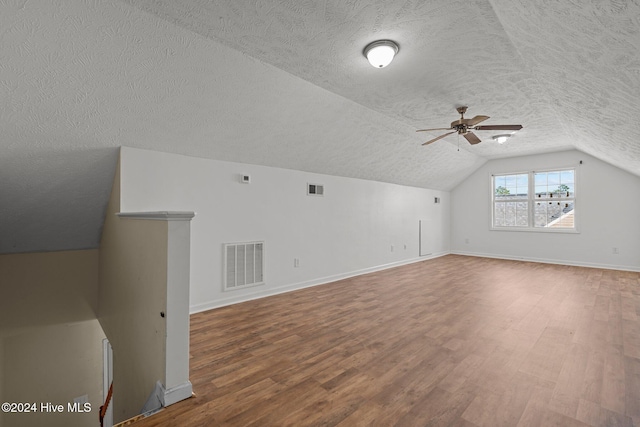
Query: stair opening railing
point(103, 408)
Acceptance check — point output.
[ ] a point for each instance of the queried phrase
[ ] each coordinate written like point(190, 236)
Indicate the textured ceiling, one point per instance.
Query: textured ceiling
point(284, 83)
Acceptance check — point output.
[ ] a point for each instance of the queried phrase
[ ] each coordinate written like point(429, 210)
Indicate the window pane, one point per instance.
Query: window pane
point(554, 184)
point(563, 190)
point(542, 188)
point(522, 181)
point(498, 215)
point(540, 214)
point(511, 207)
point(541, 179)
point(510, 214)
point(500, 186)
point(563, 215)
point(522, 214)
point(522, 186)
point(554, 214)
point(511, 187)
point(566, 177)
point(554, 210)
point(553, 179)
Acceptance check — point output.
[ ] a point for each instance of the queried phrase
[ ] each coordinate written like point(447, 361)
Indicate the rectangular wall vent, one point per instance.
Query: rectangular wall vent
point(243, 265)
point(315, 189)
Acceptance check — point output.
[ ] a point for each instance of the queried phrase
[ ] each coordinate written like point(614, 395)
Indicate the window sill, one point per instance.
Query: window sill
point(537, 230)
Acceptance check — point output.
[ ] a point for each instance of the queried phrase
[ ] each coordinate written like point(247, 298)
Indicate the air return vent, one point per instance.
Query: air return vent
point(243, 265)
point(315, 189)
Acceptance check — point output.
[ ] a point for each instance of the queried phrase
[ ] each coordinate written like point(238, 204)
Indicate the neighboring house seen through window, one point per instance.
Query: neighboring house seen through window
point(540, 201)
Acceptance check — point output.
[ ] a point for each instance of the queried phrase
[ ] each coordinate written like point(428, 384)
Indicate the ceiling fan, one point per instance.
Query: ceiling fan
point(464, 127)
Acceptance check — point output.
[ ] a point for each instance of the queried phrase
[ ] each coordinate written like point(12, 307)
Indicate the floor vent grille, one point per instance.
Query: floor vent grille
point(244, 265)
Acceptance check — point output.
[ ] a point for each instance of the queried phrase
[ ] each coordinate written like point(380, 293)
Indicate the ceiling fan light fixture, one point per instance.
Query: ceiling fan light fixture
point(501, 139)
point(381, 52)
point(464, 127)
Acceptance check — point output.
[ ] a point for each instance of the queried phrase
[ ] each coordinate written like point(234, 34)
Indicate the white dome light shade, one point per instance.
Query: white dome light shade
point(380, 53)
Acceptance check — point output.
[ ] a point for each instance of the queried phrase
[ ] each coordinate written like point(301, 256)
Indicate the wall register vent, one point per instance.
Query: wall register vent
point(244, 265)
point(315, 190)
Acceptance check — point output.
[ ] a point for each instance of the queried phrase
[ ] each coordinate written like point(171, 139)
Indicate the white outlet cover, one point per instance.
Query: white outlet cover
point(81, 399)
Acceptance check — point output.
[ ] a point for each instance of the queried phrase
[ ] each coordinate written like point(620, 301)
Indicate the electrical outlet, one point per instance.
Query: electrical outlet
point(392, 248)
point(296, 262)
point(615, 251)
point(405, 247)
point(466, 241)
point(81, 399)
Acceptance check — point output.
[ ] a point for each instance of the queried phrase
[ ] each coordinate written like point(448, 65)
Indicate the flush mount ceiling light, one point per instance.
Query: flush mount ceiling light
point(381, 52)
point(501, 139)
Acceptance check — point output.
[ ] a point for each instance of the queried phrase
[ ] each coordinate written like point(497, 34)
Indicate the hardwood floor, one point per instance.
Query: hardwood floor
point(454, 341)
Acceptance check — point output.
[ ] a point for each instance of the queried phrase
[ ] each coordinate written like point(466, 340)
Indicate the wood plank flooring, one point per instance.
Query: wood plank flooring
point(453, 341)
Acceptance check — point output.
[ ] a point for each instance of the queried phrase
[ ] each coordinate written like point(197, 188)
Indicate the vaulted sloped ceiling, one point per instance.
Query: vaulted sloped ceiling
point(285, 84)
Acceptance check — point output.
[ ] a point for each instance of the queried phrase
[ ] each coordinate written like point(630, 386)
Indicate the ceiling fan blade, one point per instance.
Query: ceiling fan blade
point(499, 127)
point(440, 137)
point(472, 138)
point(477, 119)
point(429, 130)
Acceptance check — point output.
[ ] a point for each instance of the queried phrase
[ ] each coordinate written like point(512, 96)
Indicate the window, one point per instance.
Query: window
point(554, 199)
point(540, 201)
point(511, 200)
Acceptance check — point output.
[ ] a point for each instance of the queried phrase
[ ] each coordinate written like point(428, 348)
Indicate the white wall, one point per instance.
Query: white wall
point(54, 363)
point(132, 294)
point(349, 230)
point(50, 340)
point(607, 211)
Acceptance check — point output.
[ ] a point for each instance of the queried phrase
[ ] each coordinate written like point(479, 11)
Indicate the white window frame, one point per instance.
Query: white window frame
point(531, 200)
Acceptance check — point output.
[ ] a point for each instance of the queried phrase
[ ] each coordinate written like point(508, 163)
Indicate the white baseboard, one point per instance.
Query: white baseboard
point(549, 261)
point(197, 308)
point(162, 397)
point(176, 394)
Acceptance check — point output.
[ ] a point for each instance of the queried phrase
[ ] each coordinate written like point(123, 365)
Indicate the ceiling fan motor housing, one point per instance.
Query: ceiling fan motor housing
point(460, 126)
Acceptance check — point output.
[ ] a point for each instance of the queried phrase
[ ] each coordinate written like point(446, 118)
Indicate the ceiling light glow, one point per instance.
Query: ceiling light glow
point(501, 139)
point(380, 53)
